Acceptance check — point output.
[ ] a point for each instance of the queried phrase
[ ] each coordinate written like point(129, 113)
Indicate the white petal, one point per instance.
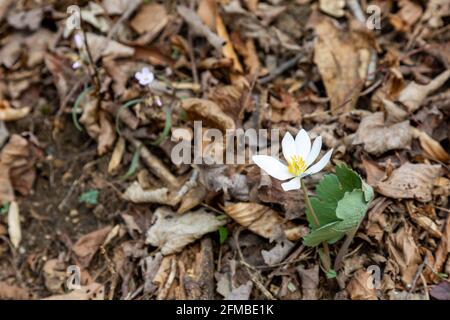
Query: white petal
point(292, 184)
point(315, 150)
point(138, 76)
point(303, 144)
point(288, 146)
point(320, 164)
point(272, 167)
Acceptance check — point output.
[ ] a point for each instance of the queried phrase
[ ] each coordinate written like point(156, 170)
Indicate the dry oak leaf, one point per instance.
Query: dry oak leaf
point(342, 58)
point(414, 94)
point(208, 111)
point(172, 232)
point(379, 138)
point(150, 18)
point(411, 181)
point(17, 171)
point(93, 291)
point(86, 247)
point(404, 251)
point(263, 221)
point(359, 287)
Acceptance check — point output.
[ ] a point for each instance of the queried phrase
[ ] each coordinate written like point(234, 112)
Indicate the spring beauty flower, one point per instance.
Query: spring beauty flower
point(145, 76)
point(299, 156)
point(79, 41)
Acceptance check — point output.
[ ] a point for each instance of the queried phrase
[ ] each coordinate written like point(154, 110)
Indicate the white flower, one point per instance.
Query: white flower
point(78, 39)
point(145, 76)
point(299, 155)
point(76, 64)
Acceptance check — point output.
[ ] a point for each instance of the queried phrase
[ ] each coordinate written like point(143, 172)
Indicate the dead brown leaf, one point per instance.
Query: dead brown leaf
point(172, 232)
point(432, 148)
point(208, 111)
point(379, 138)
point(12, 292)
point(93, 291)
point(261, 220)
point(86, 247)
point(404, 251)
point(342, 58)
point(358, 288)
point(414, 94)
point(411, 181)
point(150, 20)
point(310, 282)
point(7, 113)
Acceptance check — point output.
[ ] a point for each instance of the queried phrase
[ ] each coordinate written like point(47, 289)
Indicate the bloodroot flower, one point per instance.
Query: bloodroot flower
point(145, 76)
point(299, 156)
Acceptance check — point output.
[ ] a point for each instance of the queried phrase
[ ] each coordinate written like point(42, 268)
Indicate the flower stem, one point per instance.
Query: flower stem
point(326, 258)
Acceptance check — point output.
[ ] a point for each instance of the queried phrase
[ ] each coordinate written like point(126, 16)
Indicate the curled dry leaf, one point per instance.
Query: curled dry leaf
point(310, 282)
point(14, 230)
point(86, 247)
point(172, 232)
point(342, 59)
point(7, 113)
point(379, 138)
point(277, 253)
point(404, 251)
point(261, 220)
point(414, 94)
point(411, 181)
point(107, 135)
point(359, 287)
point(333, 7)
point(116, 157)
point(54, 275)
point(136, 194)
point(101, 46)
point(93, 291)
point(17, 167)
point(443, 249)
point(208, 111)
point(431, 147)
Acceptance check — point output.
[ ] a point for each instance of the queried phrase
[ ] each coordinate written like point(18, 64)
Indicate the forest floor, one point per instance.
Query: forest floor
point(96, 97)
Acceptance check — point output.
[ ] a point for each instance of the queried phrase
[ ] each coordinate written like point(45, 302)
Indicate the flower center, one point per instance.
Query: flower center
point(296, 165)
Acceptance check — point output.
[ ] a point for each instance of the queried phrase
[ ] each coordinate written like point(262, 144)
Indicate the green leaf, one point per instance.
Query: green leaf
point(167, 126)
point(76, 107)
point(126, 105)
point(223, 234)
point(133, 165)
point(89, 197)
point(5, 208)
point(323, 234)
point(341, 202)
point(348, 178)
point(331, 274)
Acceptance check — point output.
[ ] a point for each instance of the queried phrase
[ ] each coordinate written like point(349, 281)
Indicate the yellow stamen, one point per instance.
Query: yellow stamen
point(296, 166)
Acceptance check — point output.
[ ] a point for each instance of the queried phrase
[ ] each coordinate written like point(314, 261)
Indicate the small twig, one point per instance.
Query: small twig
point(165, 290)
point(249, 267)
point(281, 69)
